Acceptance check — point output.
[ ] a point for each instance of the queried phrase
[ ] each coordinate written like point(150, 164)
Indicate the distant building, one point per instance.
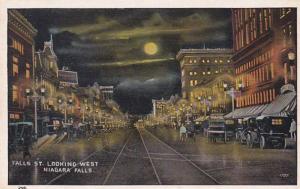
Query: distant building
point(159, 107)
point(200, 66)
point(21, 48)
point(67, 78)
point(47, 73)
point(264, 42)
point(107, 92)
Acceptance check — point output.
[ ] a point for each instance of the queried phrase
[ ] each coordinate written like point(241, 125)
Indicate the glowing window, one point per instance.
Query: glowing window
point(15, 66)
point(15, 93)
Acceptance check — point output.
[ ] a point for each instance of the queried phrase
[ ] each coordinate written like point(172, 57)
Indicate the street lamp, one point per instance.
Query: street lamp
point(83, 109)
point(292, 57)
point(232, 92)
point(65, 104)
point(35, 96)
point(205, 100)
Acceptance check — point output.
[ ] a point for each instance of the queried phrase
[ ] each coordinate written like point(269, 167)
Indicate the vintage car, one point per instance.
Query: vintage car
point(216, 129)
point(231, 128)
point(243, 129)
point(17, 133)
point(271, 131)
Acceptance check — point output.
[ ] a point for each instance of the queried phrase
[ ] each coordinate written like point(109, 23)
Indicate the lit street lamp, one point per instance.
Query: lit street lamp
point(205, 101)
point(232, 92)
point(65, 104)
point(35, 96)
point(292, 57)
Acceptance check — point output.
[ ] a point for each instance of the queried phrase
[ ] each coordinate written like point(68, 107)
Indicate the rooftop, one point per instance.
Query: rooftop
point(67, 76)
point(183, 52)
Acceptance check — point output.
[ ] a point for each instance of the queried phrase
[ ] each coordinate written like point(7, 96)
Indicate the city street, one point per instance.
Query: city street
point(155, 156)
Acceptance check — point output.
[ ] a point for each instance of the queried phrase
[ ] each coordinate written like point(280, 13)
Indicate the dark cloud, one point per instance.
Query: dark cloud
point(106, 45)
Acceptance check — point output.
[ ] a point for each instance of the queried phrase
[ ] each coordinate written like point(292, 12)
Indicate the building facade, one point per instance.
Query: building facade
point(46, 70)
point(107, 92)
point(214, 96)
point(262, 40)
point(20, 56)
point(201, 66)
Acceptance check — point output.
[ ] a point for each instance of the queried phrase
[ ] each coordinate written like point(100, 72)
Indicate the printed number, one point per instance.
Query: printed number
point(22, 187)
point(284, 175)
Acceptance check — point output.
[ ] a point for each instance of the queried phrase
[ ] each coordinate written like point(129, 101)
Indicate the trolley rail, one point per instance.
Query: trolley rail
point(185, 158)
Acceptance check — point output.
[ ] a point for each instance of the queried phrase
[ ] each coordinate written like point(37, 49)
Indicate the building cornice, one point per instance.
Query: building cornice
point(193, 52)
point(17, 21)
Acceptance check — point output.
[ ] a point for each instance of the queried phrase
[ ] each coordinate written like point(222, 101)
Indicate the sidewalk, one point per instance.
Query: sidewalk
point(39, 145)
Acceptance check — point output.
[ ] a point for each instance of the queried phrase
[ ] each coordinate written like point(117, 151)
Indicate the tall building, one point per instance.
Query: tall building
point(264, 42)
point(46, 70)
point(20, 55)
point(201, 66)
point(159, 107)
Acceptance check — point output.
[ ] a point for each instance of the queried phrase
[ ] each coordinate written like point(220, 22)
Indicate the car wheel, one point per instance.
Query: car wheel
point(285, 143)
point(262, 142)
point(237, 137)
point(249, 141)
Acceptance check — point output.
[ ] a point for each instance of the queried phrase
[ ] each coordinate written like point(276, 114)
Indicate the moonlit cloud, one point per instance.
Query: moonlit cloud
point(128, 62)
point(107, 46)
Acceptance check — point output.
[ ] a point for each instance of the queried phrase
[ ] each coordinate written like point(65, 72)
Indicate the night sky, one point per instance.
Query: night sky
point(113, 46)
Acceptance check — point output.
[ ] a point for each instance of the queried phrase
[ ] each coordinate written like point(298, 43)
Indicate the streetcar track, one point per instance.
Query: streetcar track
point(154, 169)
point(115, 162)
point(86, 158)
point(188, 160)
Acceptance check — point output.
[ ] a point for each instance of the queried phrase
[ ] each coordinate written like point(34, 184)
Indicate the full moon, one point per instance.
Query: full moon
point(150, 48)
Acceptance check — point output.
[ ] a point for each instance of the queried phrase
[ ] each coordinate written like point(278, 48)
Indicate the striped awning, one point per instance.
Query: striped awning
point(251, 111)
point(283, 105)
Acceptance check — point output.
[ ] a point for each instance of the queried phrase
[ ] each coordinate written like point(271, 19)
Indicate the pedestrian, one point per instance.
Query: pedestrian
point(293, 129)
point(182, 132)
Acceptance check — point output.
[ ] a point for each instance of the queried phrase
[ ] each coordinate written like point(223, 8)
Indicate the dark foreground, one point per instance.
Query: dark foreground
point(150, 157)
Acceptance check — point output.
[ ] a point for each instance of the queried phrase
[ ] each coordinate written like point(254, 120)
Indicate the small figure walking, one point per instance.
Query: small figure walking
point(293, 129)
point(182, 133)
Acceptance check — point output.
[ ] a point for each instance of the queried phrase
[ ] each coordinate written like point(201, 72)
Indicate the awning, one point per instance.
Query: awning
point(251, 111)
point(238, 113)
point(283, 105)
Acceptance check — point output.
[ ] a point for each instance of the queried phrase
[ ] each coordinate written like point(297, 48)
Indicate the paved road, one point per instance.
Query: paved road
point(154, 156)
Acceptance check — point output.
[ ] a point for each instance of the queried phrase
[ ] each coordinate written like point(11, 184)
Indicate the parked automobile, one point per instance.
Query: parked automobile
point(268, 131)
point(216, 129)
point(272, 131)
point(231, 128)
point(243, 129)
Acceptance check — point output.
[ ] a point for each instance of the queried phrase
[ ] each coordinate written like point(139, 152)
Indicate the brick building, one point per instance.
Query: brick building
point(264, 43)
point(20, 56)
